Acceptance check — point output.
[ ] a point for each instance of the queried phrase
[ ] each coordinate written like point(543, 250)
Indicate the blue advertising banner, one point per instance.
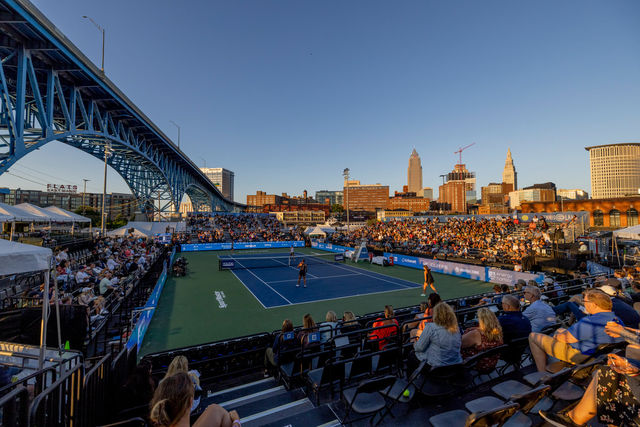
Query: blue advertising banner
point(508, 277)
point(197, 247)
point(137, 334)
point(468, 271)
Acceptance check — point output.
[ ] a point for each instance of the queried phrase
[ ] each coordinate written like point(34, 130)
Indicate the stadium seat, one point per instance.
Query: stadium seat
point(460, 418)
point(366, 398)
point(396, 392)
point(131, 422)
point(442, 381)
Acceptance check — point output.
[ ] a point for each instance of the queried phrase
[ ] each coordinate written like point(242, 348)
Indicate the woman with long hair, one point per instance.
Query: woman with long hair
point(172, 401)
point(487, 335)
point(308, 327)
point(439, 343)
point(181, 364)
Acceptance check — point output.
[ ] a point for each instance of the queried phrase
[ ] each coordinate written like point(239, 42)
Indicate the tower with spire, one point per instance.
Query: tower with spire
point(509, 174)
point(414, 173)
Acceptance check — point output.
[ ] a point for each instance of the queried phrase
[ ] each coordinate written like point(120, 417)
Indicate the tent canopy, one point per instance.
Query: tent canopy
point(45, 215)
point(632, 232)
point(73, 217)
point(125, 231)
point(18, 258)
point(14, 213)
point(317, 231)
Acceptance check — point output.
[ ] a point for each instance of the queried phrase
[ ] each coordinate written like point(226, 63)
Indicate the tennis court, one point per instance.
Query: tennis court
point(272, 278)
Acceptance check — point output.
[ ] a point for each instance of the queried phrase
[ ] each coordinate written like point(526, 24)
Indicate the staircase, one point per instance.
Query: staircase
point(266, 403)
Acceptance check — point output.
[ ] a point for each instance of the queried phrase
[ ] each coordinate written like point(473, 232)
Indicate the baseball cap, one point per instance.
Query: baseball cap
point(548, 280)
point(609, 290)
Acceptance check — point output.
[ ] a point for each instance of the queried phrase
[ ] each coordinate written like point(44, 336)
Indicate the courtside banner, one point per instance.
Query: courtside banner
point(197, 247)
point(467, 271)
point(330, 247)
point(508, 277)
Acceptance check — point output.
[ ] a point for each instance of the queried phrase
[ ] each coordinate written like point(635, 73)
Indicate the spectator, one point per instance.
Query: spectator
point(612, 393)
point(574, 345)
point(105, 284)
point(172, 400)
point(328, 328)
point(514, 324)
point(181, 364)
point(284, 341)
point(621, 309)
point(138, 390)
point(486, 336)
point(308, 327)
point(418, 317)
point(539, 313)
point(349, 323)
point(432, 300)
point(386, 328)
point(440, 341)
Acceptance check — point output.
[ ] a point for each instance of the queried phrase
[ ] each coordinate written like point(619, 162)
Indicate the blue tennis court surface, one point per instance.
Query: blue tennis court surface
point(276, 286)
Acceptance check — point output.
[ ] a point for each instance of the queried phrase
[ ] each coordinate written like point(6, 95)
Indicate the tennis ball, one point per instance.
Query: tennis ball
point(406, 393)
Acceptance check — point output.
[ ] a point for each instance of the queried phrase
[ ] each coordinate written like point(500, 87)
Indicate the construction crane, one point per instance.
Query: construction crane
point(461, 150)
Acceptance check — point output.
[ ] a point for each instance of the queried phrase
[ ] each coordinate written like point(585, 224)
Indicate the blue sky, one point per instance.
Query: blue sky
point(289, 93)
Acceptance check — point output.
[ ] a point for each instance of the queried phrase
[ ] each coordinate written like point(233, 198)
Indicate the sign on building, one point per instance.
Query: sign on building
point(61, 188)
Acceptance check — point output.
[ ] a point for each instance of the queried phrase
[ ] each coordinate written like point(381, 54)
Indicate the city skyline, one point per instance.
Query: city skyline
point(434, 79)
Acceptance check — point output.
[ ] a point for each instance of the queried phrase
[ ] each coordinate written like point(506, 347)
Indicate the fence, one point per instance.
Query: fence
point(60, 403)
point(14, 407)
point(96, 397)
point(196, 247)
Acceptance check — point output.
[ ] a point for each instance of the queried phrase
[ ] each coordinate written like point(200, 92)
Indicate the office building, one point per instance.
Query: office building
point(427, 193)
point(116, 204)
point(308, 217)
point(509, 174)
point(571, 194)
point(536, 193)
point(615, 170)
point(368, 197)
point(329, 197)
point(221, 178)
point(459, 190)
point(414, 173)
point(408, 201)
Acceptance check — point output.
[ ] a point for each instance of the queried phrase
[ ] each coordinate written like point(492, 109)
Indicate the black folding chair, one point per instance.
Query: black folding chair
point(366, 398)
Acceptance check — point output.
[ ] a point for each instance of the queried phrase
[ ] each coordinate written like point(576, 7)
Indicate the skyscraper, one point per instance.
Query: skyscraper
point(221, 178)
point(414, 173)
point(509, 174)
point(615, 170)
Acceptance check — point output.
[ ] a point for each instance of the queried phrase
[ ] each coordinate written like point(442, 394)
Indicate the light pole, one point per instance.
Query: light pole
point(102, 31)
point(84, 191)
point(176, 125)
point(104, 191)
point(345, 173)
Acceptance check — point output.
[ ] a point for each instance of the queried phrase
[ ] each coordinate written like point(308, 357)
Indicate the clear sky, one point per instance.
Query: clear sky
point(289, 93)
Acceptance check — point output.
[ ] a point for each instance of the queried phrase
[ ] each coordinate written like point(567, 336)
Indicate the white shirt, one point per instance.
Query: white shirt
point(540, 315)
point(111, 264)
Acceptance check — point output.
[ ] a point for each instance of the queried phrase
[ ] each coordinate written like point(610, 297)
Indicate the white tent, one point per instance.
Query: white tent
point(632, 233)
point(18, 258)
point(317, 232)
point(124, 231)
point(45, 215)
point(17, 214)
point(73, 217)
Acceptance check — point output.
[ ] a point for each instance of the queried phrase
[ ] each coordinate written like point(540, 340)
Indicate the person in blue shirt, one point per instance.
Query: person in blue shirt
point(575, 344)
point(630, 318)
point(514, 324)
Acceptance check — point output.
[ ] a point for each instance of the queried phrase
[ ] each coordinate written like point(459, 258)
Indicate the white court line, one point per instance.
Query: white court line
point(250, 291)
point(266, 284)
point(323, 277)
point(380, 278)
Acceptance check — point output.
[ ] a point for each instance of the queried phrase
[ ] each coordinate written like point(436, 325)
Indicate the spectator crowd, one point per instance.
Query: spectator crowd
point(216, 228)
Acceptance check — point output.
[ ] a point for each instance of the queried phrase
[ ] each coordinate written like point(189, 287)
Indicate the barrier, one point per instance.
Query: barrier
point(197, 247)
point(146, 312)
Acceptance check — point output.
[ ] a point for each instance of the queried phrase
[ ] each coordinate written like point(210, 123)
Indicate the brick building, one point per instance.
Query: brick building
point(367, 198)
point(408, 201)
point(459, 190)
point(612, 213)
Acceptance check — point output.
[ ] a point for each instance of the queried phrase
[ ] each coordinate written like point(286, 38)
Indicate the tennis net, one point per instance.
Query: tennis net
point(250, 263)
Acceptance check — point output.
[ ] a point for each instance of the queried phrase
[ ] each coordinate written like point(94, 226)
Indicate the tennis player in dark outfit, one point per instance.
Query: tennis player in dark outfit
point(302, 274)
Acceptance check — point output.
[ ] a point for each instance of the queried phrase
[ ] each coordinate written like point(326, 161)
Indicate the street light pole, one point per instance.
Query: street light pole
point(84, 191)
point(176, 125)
point(345, 173)
point(103, 37)
point(104, 191)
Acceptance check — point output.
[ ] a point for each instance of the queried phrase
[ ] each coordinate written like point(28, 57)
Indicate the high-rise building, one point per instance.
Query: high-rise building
point(366, 197)
point(615, 170)
point(221, 178)
point(571, 194)
point(414, 173)
point(427, 193)
point(509, 174)
point(459, 190)
point(536, 193)
point(329, 197)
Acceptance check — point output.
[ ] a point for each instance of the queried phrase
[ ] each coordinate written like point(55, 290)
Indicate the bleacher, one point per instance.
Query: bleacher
point(319, 384)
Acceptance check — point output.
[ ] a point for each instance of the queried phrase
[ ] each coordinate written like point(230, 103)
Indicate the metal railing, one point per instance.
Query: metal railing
point(14, 408)
point(96, 395)
point(59, 404)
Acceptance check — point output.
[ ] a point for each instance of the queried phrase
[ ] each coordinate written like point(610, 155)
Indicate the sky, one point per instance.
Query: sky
point(289, 93)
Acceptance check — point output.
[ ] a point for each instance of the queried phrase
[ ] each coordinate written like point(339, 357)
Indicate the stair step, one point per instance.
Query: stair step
point(320, 416)
point(242, 390)
point(277, 413)
point(269, 404)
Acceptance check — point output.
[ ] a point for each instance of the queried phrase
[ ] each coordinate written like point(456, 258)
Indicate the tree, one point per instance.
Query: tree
point(91, 213)
point(337, 208)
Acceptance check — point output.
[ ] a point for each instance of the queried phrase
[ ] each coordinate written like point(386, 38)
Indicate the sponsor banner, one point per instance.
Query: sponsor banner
point(164, 238)
point(552, 217)
point(197, 247)
point(338, 257)
point(508, 277)
point(468, 271)
point(227, 264)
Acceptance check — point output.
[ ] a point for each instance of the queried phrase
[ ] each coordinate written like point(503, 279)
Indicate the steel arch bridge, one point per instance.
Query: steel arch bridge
point(49, 91)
